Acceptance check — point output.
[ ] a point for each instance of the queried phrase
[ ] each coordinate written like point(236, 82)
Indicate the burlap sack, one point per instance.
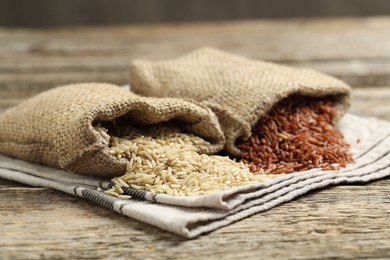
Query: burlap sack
point(239, 90)
point(56, 127)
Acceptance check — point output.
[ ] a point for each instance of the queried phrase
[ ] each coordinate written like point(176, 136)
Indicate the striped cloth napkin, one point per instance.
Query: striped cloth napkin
point(193, 216)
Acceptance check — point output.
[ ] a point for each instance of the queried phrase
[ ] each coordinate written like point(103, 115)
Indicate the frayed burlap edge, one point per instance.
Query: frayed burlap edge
point(71, 142)
point(184, 77)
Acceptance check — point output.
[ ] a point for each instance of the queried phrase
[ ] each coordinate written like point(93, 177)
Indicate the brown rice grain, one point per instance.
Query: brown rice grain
point(163, 160)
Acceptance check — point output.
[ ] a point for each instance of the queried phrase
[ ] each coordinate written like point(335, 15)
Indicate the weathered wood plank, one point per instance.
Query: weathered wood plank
point(359, 73)
point(347, 221)
point(284, 40)
point(21, 71)
point(356, 50)
point(371, 102)
point(17, 84)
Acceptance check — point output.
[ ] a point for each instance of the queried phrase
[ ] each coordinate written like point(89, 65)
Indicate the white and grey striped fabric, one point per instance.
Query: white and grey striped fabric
point(193, 216)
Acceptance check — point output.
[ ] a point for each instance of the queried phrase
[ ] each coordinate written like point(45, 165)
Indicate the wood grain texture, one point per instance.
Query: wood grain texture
point(347, 221)
point(356, 50)
point(75, 12)
point(343, 221)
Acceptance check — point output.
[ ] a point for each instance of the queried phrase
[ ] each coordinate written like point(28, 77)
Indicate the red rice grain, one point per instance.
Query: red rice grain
point(296, 135)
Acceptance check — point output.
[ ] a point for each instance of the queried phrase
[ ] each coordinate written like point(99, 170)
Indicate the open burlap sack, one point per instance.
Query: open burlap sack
point(56, 127)
point(239, 90)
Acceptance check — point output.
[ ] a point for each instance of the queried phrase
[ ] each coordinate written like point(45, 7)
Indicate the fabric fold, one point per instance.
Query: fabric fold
point(193, 216)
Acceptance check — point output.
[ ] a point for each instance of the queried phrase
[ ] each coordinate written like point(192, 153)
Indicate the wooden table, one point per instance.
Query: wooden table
point(347, 221)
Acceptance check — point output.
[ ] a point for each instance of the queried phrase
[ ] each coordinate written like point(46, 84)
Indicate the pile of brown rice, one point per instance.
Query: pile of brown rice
point(161, 159)
point(296, 135)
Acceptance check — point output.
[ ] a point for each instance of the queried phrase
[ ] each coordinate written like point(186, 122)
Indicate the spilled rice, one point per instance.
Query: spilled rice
point(298, 134)
point(163, 160)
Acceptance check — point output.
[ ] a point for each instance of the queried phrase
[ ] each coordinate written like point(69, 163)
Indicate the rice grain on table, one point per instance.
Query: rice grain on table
point(164, 160)
point(296, 135)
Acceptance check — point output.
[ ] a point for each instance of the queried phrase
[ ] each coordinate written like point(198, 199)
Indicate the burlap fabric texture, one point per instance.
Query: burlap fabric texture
point(56, 127)
point(239, 90)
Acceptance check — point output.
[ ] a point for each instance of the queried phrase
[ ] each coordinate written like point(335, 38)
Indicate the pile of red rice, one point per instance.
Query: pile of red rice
point(296, 135)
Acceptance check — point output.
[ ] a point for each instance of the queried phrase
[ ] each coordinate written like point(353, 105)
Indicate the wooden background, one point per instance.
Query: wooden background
point(347, 221)
point(50, 13)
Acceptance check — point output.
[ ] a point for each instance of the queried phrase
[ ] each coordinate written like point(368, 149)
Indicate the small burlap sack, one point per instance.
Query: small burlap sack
point(239, 90)
point(56, 127)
